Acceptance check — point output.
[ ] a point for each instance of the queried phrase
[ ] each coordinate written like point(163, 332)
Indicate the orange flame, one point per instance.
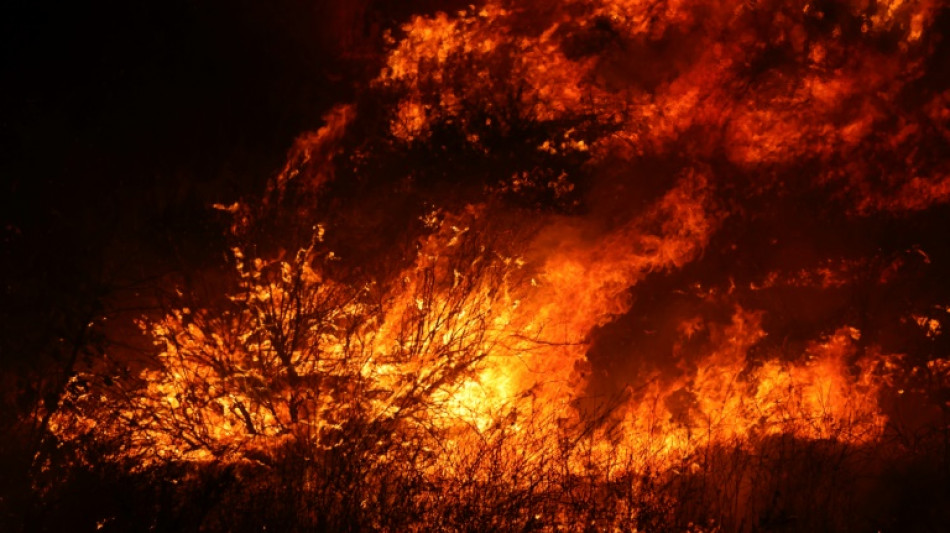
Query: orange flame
point(468, 342)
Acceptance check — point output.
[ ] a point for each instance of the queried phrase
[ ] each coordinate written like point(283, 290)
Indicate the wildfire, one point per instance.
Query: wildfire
point(643, 133)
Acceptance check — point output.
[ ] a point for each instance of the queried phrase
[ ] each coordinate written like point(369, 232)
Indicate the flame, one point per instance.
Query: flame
point(483, 337)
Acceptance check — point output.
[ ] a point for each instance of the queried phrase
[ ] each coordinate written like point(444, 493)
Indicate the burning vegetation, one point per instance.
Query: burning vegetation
point(569, 266)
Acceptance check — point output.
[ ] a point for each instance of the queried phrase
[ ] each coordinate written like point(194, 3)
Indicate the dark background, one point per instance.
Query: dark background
point(122, 114)
point(121, 123)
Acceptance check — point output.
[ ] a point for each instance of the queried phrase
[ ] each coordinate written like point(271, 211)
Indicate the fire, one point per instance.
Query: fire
point(480, 344)
point(480, 337)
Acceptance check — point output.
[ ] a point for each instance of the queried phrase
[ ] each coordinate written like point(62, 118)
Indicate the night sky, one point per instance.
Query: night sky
point(123, 122)
point(132, 111)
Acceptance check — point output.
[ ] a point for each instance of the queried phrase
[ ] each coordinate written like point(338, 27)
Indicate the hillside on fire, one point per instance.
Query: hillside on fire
point(510, 266)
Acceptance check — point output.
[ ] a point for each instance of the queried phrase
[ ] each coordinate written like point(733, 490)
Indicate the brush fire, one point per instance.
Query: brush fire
point(590, 265)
